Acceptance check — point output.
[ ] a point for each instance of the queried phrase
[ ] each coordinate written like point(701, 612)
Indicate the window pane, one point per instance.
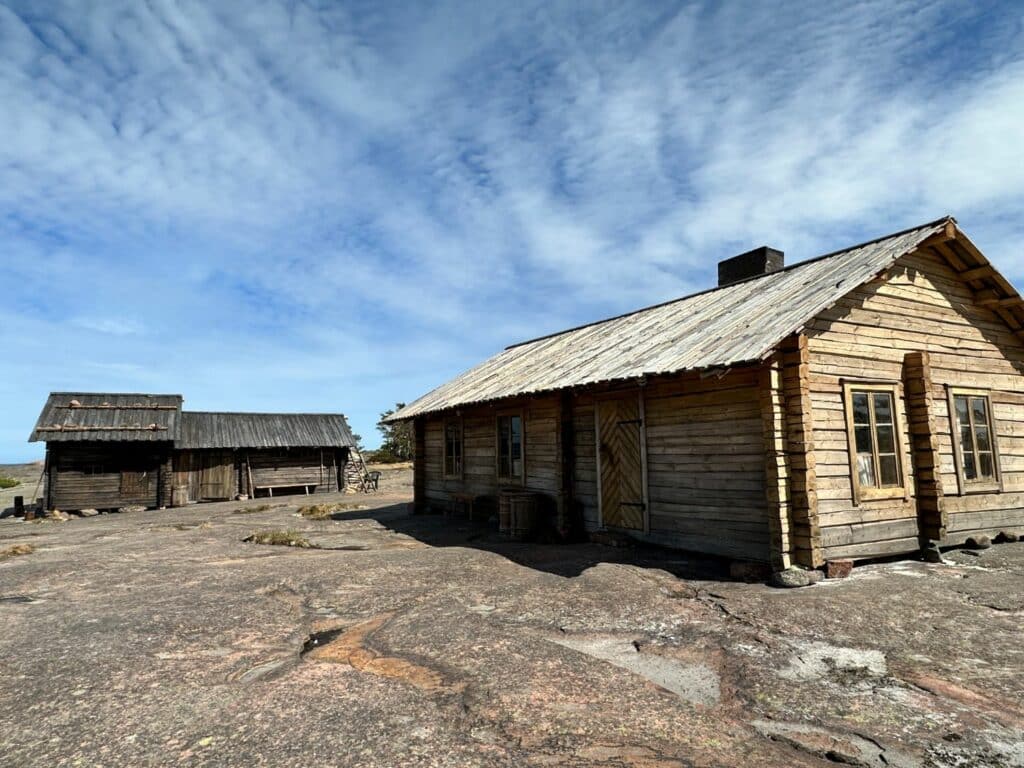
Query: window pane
point(883, 408)
point(886, 439)
point(863, 435)
point(890, 471)
point(865, 470)
point(966, 439)
point(960, 403)
point(981, 437)
point(986, 466)
point(860, 408)
point(970, 469)
point(980, 411)
point(504, 459)
point(517, 438)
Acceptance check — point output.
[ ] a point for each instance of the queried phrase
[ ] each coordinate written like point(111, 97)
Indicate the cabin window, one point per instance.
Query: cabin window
point(510, 447)
point(875, 457)
point(974, 441)
point(453, 448)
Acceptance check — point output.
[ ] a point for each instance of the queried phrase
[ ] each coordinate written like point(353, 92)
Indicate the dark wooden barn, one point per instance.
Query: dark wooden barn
point(866, 403)
point(112, 450)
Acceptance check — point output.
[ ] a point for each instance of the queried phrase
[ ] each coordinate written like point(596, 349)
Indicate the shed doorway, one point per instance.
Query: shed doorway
point(217, 476)
point(621, 450)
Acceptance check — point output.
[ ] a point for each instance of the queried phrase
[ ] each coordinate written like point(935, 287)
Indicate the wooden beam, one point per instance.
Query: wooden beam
point(985, 270)
point(1011, 301)
point(947, 233)
point(987, 297)
point(951, 257)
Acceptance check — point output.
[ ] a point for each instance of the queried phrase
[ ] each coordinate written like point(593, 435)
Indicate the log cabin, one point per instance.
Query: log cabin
point(865, 403)
point(113, 450)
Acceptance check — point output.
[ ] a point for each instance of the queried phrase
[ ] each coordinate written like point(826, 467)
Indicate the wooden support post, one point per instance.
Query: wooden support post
point(773, 419)
point(931, 514)
point(567, 464)
point(795, 372)
point(165, 480)
point(419, 466)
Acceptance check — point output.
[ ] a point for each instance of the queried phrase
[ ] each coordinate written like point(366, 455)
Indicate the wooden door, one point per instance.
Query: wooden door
point(217, 477)
point(621, 451)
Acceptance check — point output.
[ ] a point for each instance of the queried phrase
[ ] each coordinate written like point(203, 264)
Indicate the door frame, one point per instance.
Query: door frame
point(642, 412)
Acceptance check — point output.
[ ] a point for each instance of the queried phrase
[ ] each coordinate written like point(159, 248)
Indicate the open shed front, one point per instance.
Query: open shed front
point(276, 472)
point(220, 474)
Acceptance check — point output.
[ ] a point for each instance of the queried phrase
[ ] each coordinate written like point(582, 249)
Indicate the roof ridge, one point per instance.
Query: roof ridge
point(264, 413)
point(694, 295)
point(120, 394)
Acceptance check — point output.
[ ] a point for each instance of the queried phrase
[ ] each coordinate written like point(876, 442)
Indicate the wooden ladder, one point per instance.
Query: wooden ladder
point(356, 459)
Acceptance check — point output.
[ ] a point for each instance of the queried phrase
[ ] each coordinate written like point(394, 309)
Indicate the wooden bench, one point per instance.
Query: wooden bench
point(270, 488)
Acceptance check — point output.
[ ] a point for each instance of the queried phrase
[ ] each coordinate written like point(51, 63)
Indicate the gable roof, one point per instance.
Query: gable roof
point(737, 324)
point(114, 416)
point(127, 417)
point(206, 429)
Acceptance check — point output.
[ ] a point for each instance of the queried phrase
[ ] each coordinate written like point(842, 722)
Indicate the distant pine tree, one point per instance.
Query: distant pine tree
point(397, 443)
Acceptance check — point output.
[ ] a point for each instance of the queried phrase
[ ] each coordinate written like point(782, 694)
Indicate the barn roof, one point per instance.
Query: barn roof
point(114, 416)
point(205, 429)
point(732, 325)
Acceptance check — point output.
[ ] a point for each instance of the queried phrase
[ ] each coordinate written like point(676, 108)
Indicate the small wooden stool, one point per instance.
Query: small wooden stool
point(465, 501)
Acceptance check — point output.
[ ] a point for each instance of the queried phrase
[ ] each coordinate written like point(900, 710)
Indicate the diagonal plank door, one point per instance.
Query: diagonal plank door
point(619, 439)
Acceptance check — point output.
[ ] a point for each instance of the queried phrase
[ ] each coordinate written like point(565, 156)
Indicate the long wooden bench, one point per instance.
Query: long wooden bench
point(270, 488)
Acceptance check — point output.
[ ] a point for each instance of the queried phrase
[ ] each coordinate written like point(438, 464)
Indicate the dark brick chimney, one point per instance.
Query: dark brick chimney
point(760, 261)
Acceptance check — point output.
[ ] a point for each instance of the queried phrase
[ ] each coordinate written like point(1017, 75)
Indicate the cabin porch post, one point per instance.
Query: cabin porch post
point(419, 466)
point(931, 514)
point(773, 421)
point(795, 372)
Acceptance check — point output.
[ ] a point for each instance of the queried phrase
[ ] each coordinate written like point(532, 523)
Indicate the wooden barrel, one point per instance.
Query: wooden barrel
point(523, 516)
point(179, 496)
point(504, 514)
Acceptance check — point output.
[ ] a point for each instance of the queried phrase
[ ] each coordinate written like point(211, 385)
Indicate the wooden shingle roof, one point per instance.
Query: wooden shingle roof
point(736, 324)
point(205, 429)
point(113, 416)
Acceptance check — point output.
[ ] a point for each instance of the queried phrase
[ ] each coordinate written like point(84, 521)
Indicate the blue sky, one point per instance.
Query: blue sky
point(336, 206)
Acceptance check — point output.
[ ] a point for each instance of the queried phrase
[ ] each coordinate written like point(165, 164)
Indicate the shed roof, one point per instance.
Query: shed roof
point(206, 429)
point(728, 326)
point(113, 416)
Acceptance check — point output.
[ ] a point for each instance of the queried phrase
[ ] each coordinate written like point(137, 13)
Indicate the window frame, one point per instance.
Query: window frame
point(458, 423)
point(861, 493)
point(521, 479)
point(965, 486)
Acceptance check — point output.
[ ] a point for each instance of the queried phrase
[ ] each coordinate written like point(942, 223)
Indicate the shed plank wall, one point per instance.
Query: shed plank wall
point(75, 485)
point(297, 467)
point(918, 305)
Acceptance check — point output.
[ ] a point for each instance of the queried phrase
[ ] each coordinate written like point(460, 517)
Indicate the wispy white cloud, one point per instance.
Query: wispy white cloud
point(293, 205)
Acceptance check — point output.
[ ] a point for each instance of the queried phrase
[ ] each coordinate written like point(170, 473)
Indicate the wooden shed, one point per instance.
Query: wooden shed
point(221, 455)
point(864, 403)
point(111, 450)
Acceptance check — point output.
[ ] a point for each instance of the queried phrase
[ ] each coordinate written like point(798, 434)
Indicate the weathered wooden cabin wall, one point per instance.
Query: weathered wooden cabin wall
point(705, 459)
point(706, 464)
point(93, 475)
point(541, 450)
point(919, 305)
